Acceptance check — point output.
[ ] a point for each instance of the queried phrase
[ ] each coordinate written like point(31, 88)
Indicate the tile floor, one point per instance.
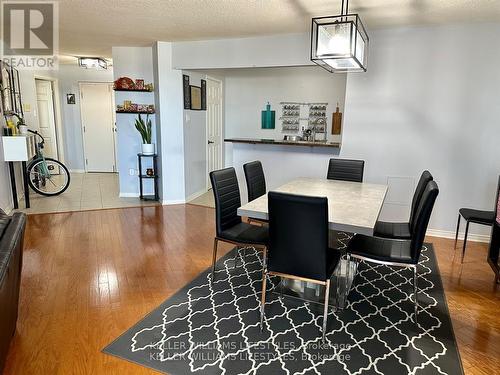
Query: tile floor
point(87, 191)
point(206, 200)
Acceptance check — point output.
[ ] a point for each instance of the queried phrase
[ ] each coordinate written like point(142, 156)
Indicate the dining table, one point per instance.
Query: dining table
point(353, 207)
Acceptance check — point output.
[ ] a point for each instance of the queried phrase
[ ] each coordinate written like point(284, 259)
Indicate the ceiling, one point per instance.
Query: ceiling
point(92, 27)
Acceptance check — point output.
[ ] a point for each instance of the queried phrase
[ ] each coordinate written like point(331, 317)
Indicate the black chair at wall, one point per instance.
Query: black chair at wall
point(229, 226)
point(298, 243)
point(473, 216)
point(346, 170)
point(256, 183)
point(494, 248)
point(404, 253)
point(402, 230)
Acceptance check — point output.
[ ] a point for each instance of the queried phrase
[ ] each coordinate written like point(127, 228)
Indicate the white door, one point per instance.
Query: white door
point(214, 126)
point(46, 118)
point(96, 102)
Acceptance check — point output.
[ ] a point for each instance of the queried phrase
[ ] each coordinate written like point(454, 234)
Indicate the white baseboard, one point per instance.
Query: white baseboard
point(169, 202)
point(196, 195)
point(449, 234)
point(129, 195)
point(77, 170)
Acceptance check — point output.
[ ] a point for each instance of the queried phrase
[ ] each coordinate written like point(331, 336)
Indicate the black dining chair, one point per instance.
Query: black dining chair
point(472, 216)
point(228, 225)
point(298, 243)
point(256, 183)
point(402, 230)
point(494, 248)
point(255, 179)
point(393, 252)
point(346, 170)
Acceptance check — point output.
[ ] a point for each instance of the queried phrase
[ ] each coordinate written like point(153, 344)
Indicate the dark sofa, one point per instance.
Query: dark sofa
point(11, 253)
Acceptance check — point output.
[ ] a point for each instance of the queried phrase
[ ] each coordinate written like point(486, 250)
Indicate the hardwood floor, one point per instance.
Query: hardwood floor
point(89, 276)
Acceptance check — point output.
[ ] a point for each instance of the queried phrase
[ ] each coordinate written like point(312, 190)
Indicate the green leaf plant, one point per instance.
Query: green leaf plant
point(144, 128)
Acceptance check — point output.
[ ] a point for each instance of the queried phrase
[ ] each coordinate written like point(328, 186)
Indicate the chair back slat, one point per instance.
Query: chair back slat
point(256, 181)
point(227, 198)
point(346, 170)
point(422, 217)
point(417, 196)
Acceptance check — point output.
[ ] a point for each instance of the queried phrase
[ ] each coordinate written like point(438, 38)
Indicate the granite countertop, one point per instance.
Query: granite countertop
point(352, 206)
point(282, 142)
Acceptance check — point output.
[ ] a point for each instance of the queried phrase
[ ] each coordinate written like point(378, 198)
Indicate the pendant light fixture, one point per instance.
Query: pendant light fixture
point(339, 43)
point(92, 63)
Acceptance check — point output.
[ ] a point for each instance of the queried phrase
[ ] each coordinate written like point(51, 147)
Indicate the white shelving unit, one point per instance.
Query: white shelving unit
point(309, 116)
point(18, 147)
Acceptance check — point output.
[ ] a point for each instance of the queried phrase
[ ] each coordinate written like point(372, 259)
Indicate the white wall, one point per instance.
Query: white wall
point(169, 117)
point(195, 138)
point(268, 51)
point(67, 79)
point(249, 90)
point(430, 99)
point(135, 63)
point(281, 163)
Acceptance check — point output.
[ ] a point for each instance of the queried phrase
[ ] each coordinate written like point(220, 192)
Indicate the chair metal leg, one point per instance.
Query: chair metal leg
point(465, 240)
point(325, 312)
point(458, 228)
point(415, 291)
point(236, 256)
point(263, 298)
point(347, 272)
point(281, 288)
point(214, 256)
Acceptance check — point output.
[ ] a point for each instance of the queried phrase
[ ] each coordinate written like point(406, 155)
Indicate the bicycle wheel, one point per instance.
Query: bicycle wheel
point(48, 176)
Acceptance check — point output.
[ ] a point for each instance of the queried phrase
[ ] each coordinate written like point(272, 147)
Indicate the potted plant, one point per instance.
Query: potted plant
point(144, 128)
point(21, 125)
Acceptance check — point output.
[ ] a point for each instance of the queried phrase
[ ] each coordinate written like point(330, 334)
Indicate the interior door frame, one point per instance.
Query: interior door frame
point(113, 114)
point(223, 151)
point(56, 99)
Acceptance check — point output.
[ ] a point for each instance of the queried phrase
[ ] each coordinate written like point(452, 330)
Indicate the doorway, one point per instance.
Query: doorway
point(47, 117)
point(98, 126)
point(214, 126)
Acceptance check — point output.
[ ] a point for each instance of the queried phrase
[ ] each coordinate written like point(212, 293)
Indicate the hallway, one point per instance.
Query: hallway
point(87, 191)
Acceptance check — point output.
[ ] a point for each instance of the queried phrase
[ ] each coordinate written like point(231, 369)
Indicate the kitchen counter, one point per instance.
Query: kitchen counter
point(282, 142)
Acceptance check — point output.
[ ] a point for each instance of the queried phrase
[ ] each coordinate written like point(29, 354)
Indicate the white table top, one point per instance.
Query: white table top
point(352, 206)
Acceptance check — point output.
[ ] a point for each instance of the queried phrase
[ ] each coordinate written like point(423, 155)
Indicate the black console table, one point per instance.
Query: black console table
point(144, 176)
point(14, 187)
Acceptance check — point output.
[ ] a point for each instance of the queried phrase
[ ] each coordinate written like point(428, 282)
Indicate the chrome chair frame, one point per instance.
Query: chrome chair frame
point(397, 264)
point(265, 273)
point(238, 245)
point(466, 233)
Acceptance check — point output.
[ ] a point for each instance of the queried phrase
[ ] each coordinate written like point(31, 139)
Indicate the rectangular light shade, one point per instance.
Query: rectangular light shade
point(339, 43)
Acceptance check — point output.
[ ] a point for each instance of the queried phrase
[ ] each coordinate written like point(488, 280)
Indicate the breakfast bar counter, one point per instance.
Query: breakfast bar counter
point(265, 141)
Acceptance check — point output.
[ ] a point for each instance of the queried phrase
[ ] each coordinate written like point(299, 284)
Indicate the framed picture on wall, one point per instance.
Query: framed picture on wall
point(70, 99)
point(187, 93)
point(203, 95)
point(195, 93)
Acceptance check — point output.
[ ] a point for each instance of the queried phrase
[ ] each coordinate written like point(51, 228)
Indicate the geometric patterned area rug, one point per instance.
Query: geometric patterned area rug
point(215, 328)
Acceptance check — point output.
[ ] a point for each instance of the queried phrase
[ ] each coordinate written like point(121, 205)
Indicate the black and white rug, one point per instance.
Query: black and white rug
point(214, 329)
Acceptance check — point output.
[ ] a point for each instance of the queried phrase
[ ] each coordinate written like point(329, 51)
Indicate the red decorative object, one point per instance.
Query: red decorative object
point(124, 83)
point(139, 84)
